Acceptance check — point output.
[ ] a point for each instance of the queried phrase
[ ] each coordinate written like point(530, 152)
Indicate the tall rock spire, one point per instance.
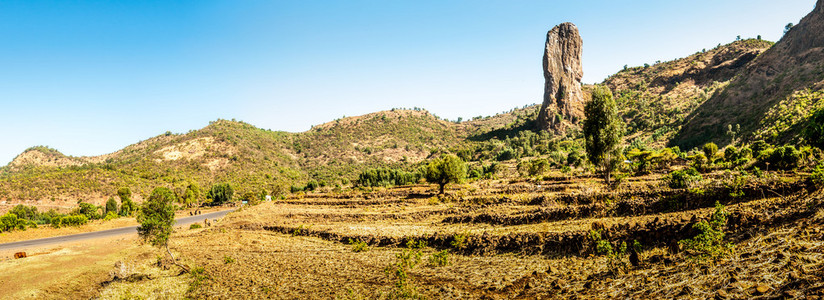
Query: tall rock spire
point(563, 104)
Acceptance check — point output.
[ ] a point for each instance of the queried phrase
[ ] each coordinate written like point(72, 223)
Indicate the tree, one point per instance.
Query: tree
point(602, 131)
point(191, 195)
point(788, 27)
point(127, 206)
point(156, 217)
point(448, 168)
point(111, 206)
point(220, 193)
point(89, 210)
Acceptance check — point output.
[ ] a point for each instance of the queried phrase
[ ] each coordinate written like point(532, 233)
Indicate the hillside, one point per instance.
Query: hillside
point(656, 101)
point(772, 96)
point(253, 160)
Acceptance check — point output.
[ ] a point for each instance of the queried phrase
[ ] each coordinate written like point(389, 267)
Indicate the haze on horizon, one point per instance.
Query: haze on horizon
point(89, 78)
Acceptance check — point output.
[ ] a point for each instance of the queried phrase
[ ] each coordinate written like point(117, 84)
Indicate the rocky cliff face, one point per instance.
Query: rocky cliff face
point(793, 64)
point(563, 104)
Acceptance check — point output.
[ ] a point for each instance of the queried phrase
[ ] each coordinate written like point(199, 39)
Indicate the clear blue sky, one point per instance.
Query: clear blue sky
point(90, 77)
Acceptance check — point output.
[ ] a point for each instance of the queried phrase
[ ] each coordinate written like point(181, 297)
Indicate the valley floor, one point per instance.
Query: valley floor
point(495, 239)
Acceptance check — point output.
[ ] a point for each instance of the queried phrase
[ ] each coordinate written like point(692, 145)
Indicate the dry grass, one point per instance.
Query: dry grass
point(69, 271)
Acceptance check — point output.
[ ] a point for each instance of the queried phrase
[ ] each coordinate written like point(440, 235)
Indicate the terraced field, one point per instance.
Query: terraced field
point(518, 239)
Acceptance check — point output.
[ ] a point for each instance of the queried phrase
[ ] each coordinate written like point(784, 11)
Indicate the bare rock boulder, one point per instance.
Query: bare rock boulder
point(563, 105)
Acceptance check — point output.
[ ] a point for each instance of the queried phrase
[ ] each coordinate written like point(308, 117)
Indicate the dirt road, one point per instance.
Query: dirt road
point(103, 233)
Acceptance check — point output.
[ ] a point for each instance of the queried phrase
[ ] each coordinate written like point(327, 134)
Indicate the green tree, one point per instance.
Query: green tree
point(220, 193)
point(89, 210)
point(602, 131)
point(111, 206)
point(156, 218)
point(192, 195)
point(448, 168)
point(127, 206)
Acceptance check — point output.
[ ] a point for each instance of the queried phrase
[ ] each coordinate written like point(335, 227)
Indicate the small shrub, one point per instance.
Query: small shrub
point(604, 247)
point(358, 246)
point(459, 241)
point(228, 260)
point(195, 226)
point(710, 149)
point(709, 243)
point(440, 258)
point(406, 260)
point(111, 216)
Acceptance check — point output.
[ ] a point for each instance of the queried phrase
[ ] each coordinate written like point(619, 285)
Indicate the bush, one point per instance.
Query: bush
point(758, 147)
point(731, 154)
point(574, 159)
point(784, 157)
point(111, 206)
point(71, 220)
point(220, 194)
point(698, 161)
point(195, 226)
point(89, 210)
point(440, 258)
point(359, 246)
point(311, 185)
point(710, 149)
point(682, 179)
point(709, 243)
point(10, 221)
point(110, 216)
point(506, 154)
point(25, 212)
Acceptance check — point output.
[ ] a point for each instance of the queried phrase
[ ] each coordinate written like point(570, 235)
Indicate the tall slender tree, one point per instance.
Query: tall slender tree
point(603, 130)
point(156, 218)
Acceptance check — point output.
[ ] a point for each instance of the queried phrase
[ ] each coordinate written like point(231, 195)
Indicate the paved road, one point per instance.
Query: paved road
point(104, 233)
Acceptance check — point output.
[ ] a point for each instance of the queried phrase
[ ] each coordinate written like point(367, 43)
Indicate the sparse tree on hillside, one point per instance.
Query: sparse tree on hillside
point(156, 218)
point(603, 131)
point(788, 27)
point(446, 169)
point(220, 194)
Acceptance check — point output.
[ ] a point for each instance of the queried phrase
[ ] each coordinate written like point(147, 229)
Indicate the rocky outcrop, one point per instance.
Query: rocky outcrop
point(794, 63)
point(563, 104)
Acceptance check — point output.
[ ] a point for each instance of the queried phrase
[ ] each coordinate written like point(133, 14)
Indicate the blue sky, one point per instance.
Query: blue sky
point(90, 77)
